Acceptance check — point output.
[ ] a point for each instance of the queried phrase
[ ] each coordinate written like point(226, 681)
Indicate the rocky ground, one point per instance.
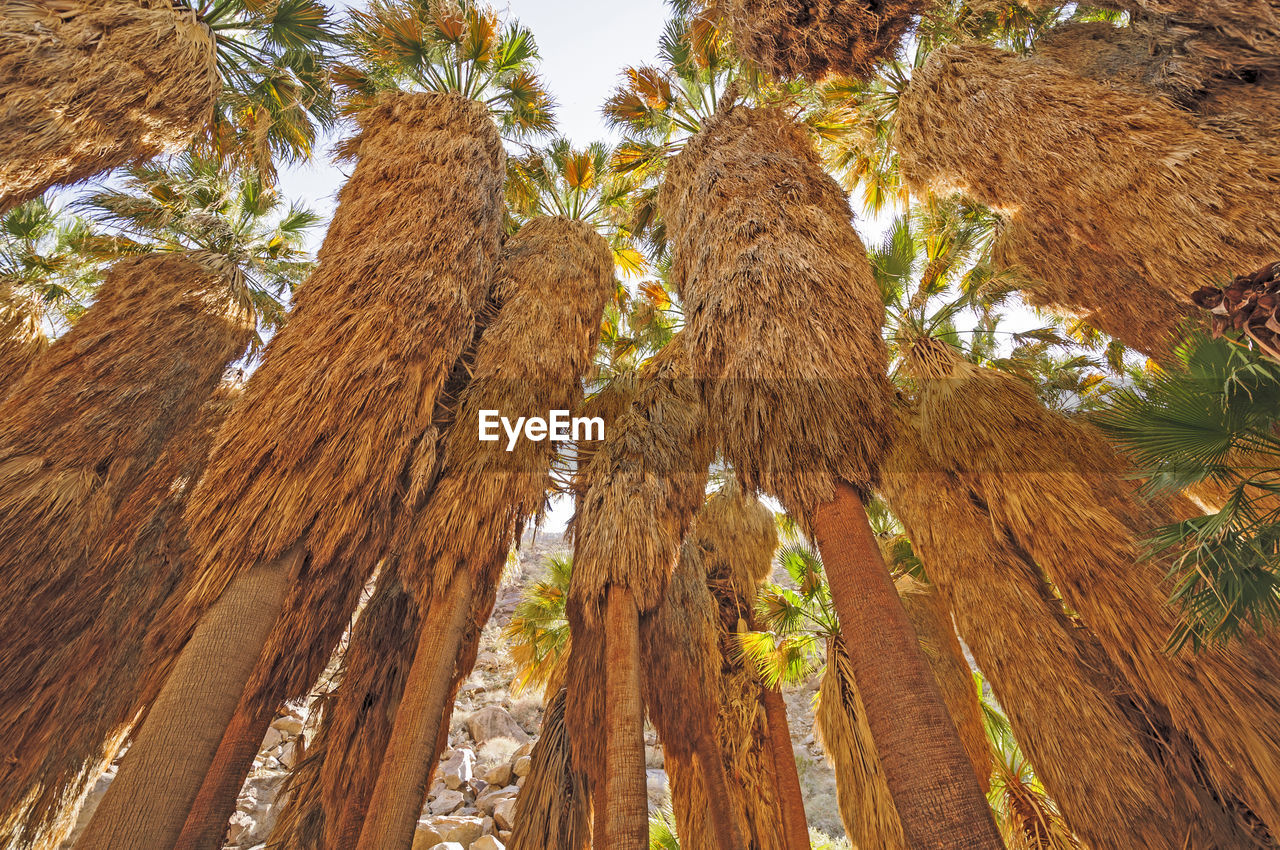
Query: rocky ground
point(472, 801)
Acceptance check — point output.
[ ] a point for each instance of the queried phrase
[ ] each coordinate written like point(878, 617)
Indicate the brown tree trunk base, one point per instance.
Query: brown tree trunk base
point(795, 824)
point(627, 818)
point(206, 825)
point(724, 817)
point(401, 788)
point(930, 777)
point(147, 804)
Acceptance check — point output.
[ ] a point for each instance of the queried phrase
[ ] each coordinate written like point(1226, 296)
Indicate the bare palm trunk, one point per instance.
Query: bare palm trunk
point(206, 824)
point(627, 818)
point(402, 784)
point(795, 826)
point(929, 775)
point(146, 805)
point(719, 801)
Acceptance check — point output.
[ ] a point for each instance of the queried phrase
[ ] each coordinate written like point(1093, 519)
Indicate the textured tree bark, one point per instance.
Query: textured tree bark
point(406, 767)
point(206, 824)
point(929, 775)
point(627, 818)
point(719, 801)
point(795, 824)
point(146, 805)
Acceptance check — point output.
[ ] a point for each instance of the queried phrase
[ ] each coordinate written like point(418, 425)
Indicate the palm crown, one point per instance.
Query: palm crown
point(455, 46)
point(42, 266)
point(193, 204)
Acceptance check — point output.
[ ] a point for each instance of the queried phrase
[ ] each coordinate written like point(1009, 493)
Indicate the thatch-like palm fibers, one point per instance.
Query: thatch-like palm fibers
point(637, 496)
point(1065, 706)
point(1254, 24)
point(306, 474)
point(90, 85)
point(82, 436)
point(77, 713)
point(1113, 197)
point(679, 650)
point(783, 320)
point(329, 790)
point(866, 807)
point(816, 38)
point(1058, 491)
point(732, 543)
point(21, 340)
point(553, 808)
point(557, 275)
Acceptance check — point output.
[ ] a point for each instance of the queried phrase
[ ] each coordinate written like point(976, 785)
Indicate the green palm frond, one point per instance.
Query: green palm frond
point(538, 633)
point(458, 46)
point(42, 263)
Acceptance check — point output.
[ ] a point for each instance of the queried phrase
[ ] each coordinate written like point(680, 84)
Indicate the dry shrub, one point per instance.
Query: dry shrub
point(815, 38)
point(783, 314)
point(1064, 703)
point(1116, 191)
point(90, 85)
point(93, 439)
point(866, 807)
point(1061, 494)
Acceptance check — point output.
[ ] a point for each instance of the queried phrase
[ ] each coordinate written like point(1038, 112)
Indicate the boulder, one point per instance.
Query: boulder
point(522, 766)
point(289, 724)
point(460, 830)
point(488, 801)
point(504, 813)
point(488, 842)
point(447, 802)
point(426, 837)
point(448, 845)
point(498, 775)
point(458, 769)
point(493, 721)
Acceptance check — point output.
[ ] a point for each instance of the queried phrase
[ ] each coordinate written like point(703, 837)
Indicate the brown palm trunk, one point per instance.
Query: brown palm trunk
point(720, 801)
point(929, 775)
point(627, 818)
point(146, 805)
point(402, 784)
point(795, 825)
point(206, 824)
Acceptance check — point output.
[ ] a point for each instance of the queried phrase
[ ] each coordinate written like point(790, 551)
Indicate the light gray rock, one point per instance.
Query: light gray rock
point(448, 801)
point(493, 721)
point(289, 724)
point(462, 830)
point(488, 801)
point(504, 813)
point(458, 769)
point(448, 845)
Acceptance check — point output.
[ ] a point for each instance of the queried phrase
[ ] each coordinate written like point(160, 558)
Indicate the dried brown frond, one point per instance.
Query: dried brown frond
point(21, 339)
point(552, 809)
point(1250, 303)
point(93, 441)
point(816, 38)
point(1063, 496)
point(783, 316)
point(1116, 191)
point(91, 85)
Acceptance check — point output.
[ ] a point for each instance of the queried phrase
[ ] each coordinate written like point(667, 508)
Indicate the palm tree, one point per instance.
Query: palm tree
point(303, 483)
point(1028, 817)
point(195, 203)
point(1211, 423)
point(258, 251)
point(80, 85)
point(80, 434)
point(800, 622)
point(751, 296)
point(1084, 527)
point(45, 283)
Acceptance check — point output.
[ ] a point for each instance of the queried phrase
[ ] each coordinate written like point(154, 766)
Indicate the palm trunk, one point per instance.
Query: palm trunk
point(795, 826)
point(720, 801)
point(402, 784)
point(206, 824)
point(926, 768)
point(146, 805)
point(627, 819)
